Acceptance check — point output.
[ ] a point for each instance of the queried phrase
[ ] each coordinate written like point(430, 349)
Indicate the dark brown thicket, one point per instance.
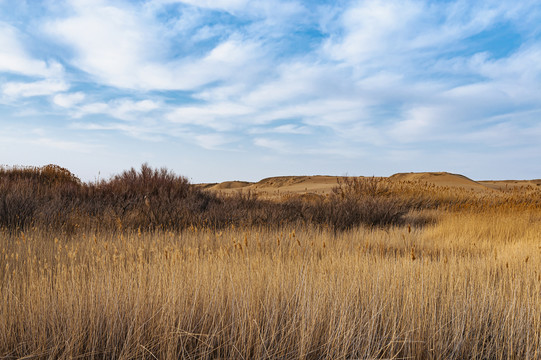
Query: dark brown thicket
point(365, 200)
point(33, 194)
point(54, 198)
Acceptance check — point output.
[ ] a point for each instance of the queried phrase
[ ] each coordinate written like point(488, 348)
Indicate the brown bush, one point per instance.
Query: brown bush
point(29, 195)
point(369, 201)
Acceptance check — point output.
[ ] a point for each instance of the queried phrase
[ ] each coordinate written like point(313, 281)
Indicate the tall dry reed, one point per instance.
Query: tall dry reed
point(471, 290)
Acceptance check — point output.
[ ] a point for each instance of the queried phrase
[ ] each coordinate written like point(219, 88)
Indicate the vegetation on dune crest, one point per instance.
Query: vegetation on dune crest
point(145, 265)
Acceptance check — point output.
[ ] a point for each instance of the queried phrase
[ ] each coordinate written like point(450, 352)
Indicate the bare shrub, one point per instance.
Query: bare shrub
point(17, 204)
point(367, 201)
point(149, 197)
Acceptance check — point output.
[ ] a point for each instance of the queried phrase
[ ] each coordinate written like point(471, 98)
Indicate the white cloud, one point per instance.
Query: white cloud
point(37, 88)
point(123, 109)
point(72, 146)
point(468, 112)
point(68, 100)
point(398, 34)
point(15, 59)
point(43, 140)
point(276, 145)
point(123, 47)
point(109, 42)
point(523, 66)
point(292, 129)
point(208, 32)
point(373, 27)
point(379, 58)
point(225, 5)
point(302, 91)
point(141, 131)
point(218, 116)
point(298, 82)
point(139, 106)
point(316, 112)
point(234, 61)
point(212, 141)
point(272, 11)
point(419, 125)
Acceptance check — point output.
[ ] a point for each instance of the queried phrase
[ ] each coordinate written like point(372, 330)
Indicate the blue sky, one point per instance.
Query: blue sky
point(238, 89)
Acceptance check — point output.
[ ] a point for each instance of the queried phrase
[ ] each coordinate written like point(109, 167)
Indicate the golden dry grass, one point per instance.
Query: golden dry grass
point(467, 286)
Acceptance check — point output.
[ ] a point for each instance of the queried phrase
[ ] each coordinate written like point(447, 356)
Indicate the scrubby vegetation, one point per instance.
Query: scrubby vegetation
point(151, 199)
point(145, 265)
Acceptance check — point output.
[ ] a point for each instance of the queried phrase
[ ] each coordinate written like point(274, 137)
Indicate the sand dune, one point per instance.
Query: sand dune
point(280, 185)
point(441, 179)
point(231, 185)
point(298, 183)
point(319, 185)
point(510, 184)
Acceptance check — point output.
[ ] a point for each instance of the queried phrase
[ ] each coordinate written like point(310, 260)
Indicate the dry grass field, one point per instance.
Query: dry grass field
point(454, 274)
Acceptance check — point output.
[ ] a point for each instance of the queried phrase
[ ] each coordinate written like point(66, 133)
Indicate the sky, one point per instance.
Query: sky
point(242, 90)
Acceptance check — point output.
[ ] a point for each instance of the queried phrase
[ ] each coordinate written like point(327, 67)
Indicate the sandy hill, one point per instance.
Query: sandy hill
point(297, 183)
point(313, 186)
point(231, 185)
point(441, 179)
point(280, 185)
point(510, 184)
point(205, 185)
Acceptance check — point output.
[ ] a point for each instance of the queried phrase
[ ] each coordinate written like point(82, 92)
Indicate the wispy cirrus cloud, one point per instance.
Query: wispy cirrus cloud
point(123, 46)
point(43, 77)
point(122, 109)
point(14, 58)
point(36, 88)
point(68, 100)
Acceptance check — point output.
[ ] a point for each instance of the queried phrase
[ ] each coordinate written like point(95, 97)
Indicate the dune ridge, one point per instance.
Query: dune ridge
point(323, 184)
point(441, 179)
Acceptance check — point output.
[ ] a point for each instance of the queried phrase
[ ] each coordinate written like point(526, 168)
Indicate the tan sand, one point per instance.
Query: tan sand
point(442, 179)
point(231, 185)
point(510, 184)
point(312, 187)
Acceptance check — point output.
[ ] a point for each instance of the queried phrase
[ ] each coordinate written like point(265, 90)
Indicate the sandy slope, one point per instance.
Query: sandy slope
point(442, 179)
point(278, 186)
point(231, 185)
point(509, 184)
point(320, 185)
